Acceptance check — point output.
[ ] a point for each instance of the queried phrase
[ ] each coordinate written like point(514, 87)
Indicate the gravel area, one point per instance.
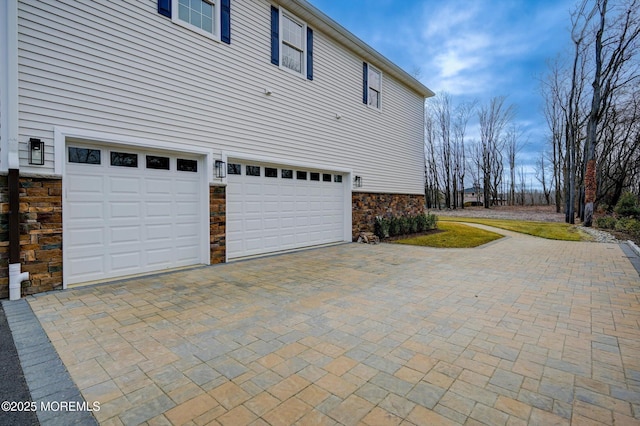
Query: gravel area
point(536, 213)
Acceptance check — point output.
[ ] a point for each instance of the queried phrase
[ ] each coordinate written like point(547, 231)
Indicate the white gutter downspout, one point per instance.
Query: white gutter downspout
point(9, 138)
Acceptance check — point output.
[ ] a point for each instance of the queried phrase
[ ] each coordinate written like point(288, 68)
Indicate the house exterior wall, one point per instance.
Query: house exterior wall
point(122, 68)
point(120, 73)
point(366, 206)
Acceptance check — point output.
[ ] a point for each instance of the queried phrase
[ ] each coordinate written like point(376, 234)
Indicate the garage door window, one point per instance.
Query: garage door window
point(253, 170)
point(124, 159)
point(315, 176)
point(234, 169)
point(270, 172)
point(187, 165)
point(301, 175)
point(287, 174)
point(326, 177)
point(84, 155)
point(337, 178)
point(158, 163)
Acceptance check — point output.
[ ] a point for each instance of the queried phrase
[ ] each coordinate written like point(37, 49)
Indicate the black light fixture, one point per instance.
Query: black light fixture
point(357, 182)
point(36, 152)
point(221, 169)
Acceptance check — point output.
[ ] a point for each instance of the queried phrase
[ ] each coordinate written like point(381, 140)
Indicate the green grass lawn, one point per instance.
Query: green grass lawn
point(549, 230)
point(453, 235)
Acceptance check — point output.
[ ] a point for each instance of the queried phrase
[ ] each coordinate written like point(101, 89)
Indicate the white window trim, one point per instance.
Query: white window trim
point(216, 20)
point(379, 107)
point(281, 15)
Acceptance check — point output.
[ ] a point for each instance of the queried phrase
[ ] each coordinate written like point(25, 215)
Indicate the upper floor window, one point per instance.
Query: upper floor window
point(293, 49)
point(372, 85)
point(211, 18)
point(200, 15)
point(291, 43)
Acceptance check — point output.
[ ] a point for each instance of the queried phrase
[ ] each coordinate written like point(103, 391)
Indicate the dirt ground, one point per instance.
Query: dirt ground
point(534, 213)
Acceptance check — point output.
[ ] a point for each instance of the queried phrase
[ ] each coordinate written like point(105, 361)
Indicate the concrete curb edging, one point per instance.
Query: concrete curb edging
point(47, 378)
point(634, 247)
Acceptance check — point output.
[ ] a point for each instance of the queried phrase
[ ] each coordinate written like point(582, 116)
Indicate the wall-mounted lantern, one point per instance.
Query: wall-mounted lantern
point(357, 182)
point(221, 169)
point(36, 152)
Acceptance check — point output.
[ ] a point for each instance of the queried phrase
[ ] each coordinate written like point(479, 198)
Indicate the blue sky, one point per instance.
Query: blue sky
point(468, 48)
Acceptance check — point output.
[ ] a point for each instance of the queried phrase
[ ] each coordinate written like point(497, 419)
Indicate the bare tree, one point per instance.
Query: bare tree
point(432, 184)
point(614, 46)
point(541, 176)
point(493, 118)
point(461, 120)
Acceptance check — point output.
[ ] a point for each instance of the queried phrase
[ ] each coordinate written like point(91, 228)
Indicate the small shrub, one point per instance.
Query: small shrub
point(405, 225)
point(381, 227)
point(421, 222)
point(432, 221)
point(395, 227)
point(628, 206)
point(628, 225)
point(606, 222)
point(413, 224)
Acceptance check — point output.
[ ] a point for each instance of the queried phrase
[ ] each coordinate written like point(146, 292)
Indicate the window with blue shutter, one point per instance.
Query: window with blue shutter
point(365, 83)
point(164, 8)
point(291, 43)
point(309, 54)
point(275, 36)
point(225, 21)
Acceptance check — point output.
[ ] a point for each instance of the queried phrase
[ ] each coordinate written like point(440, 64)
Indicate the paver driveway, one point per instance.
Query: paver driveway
point(523, 330)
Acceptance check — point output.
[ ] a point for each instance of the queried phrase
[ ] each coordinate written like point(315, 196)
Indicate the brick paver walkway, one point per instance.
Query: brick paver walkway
point(523, 330)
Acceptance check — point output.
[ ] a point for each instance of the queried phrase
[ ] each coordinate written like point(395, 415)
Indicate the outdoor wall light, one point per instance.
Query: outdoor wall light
point(36, 152)
point(357, 182)
point(221, 169)
point(268, 91)
point(338, 116)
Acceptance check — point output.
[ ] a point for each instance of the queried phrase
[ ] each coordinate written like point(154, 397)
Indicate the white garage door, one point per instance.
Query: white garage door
point(272, 208)
point(128, 212)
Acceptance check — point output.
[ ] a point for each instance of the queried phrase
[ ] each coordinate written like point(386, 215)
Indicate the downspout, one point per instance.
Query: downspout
point(9, 90)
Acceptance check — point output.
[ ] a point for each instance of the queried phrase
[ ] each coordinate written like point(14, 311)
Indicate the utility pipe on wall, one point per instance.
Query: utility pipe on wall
point(9, 127)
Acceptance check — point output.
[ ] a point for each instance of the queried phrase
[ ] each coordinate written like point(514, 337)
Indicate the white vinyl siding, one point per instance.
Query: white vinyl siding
point(121, 68)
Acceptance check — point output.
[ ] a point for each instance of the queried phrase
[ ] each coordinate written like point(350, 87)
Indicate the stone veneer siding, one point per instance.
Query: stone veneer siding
point(366, 206)
point(40, 234)
point(218, 223)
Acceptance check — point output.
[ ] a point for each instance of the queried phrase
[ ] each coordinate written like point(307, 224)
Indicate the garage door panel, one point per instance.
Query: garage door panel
point(187, 209)
point(83, 185)
point(86, 265)
point(158, 186)
point(82, 239)
point(85, 211)
point(126, 220)
point(127, 261)
point(125, 234)
point(186, 231)
point(124, 185)
point(124, 209)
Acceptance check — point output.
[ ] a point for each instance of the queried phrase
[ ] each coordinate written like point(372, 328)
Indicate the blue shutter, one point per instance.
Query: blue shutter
point(309, 54)
point(164, 8)
point(225, 21)
point(275, 36)
point(365, 83)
